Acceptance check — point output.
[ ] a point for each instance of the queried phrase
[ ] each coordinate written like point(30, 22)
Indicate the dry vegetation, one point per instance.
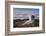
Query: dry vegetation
point(18, 23)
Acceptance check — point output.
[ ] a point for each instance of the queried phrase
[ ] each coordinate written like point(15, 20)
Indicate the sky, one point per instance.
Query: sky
point(21, 11)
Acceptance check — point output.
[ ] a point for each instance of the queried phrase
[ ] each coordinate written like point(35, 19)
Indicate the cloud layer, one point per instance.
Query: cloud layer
point(22, 13)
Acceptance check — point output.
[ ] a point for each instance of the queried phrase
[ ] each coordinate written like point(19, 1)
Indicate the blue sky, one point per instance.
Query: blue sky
point(24, 10)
